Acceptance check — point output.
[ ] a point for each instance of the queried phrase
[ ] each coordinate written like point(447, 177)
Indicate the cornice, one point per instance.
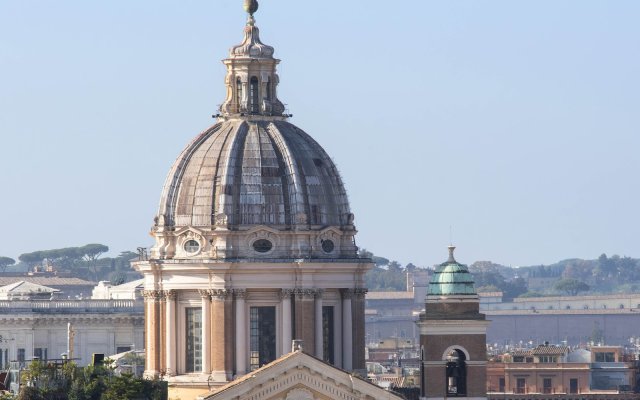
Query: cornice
point(137, 319)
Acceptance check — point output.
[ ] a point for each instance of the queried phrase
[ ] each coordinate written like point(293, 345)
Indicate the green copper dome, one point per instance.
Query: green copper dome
point(451, 278)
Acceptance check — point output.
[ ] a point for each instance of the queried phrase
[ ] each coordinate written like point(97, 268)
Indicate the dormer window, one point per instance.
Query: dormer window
point(255, 105)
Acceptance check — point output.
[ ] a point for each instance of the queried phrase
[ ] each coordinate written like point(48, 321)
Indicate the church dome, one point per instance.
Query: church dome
point(243, 172)
point(253, 185)
point(451, 278)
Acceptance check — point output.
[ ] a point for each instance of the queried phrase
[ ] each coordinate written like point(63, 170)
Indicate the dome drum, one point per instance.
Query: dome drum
point(258, 243)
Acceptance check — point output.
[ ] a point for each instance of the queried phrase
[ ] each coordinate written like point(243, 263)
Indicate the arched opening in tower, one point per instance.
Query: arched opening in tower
point(456, 374)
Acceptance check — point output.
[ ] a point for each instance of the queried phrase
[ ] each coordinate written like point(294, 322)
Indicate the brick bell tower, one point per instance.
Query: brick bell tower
point(452, 336)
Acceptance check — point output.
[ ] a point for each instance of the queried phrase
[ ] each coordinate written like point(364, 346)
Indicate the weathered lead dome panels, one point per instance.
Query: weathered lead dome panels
point(241, 173)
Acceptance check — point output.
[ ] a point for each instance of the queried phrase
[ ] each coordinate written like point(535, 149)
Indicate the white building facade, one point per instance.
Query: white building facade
point(39, 328)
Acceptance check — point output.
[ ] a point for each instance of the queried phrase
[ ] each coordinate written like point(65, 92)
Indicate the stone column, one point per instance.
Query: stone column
point(305, 319)
point(151, 308)
point(285, 296)
point(170, 334)
point(241, 332)
point(206, 331)
point(347, 330)
point(319, 326)
point(359, 331)
point(162, 330)
point(220, 343)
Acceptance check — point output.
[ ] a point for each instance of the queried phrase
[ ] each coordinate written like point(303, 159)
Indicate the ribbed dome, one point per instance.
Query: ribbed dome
point(253, 186)
point(451, 278)
point(241, 173)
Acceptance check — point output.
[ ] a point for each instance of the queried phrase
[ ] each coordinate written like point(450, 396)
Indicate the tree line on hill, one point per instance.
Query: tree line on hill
point(574, 276)
point(84, 262)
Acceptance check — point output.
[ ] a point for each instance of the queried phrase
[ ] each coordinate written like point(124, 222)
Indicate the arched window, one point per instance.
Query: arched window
point(255, 105)
point(238, 93)
point(456, 374)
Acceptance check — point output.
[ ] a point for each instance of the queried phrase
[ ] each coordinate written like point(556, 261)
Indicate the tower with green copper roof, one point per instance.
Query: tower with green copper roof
point(451, 278)
point(452, 336)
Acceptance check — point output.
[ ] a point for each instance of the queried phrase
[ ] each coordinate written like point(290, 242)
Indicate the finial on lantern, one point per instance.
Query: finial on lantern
point(250, 6)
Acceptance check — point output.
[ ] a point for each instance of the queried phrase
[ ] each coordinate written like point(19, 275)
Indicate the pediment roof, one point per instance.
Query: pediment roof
point(298, 375)
point(26, 287)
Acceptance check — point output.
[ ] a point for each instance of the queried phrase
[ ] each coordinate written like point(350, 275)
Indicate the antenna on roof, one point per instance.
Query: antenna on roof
point(450, 235)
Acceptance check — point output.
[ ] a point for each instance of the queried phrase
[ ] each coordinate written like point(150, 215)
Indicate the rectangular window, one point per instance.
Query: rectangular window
point(194, 339)
point(262, 336)
point(501, 385)
point(21, 355)
point(546, 386)
point(521, 385)
point(328, 334)
point(40, 353)
point(122, 349)
point(605, 357)
point(573, 385)
point(2, 360)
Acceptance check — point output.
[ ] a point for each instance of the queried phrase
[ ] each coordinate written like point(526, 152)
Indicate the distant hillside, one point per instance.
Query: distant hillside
point(572, 276)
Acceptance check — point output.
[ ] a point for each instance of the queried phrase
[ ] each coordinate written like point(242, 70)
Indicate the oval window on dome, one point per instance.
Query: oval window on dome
point(191, 246)
point(262, 246)
point(327, 246)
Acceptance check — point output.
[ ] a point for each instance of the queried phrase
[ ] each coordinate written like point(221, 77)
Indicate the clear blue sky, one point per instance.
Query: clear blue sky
point(514, 122)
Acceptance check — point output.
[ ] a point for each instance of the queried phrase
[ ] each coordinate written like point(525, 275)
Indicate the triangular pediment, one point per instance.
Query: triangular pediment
point(26, 287)
point(25, 290)
point(299, 376)
point(331, 231)
point(262, 228)
point(184, 229)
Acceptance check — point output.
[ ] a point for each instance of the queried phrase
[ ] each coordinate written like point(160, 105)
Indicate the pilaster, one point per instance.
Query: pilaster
point(305, 319)
point(162, 332)
point(241, 331)
point(170, 333)
point(347, 329)
point(206, 331)
point(152, 327)
point(287, 328)
point(221, 335)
